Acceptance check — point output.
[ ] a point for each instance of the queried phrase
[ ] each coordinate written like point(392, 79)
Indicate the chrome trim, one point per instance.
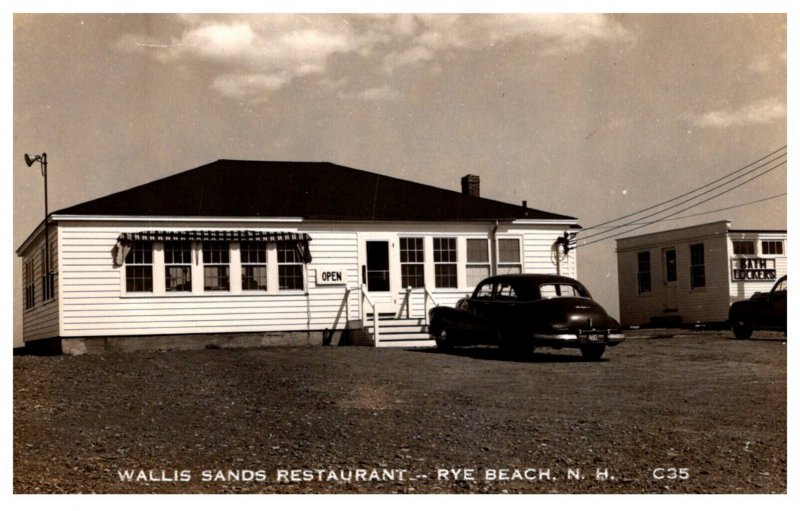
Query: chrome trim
point(573, 337)
point(556, 337)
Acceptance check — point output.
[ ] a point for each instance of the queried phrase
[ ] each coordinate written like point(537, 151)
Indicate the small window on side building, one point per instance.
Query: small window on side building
point(643, 276)
point(698, 266)
point(744, 247)
point(772, 247)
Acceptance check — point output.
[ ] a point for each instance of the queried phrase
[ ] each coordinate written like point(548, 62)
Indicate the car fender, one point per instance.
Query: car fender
point(450, 317)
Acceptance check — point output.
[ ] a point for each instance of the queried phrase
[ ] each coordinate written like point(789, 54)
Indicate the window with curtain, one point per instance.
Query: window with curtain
point(178, 265)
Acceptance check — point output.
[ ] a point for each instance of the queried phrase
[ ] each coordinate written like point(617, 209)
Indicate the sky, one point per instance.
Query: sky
point(589, 115)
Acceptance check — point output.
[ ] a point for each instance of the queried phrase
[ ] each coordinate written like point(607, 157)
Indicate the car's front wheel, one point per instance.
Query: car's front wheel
point(742, 329)
point(594, 352)
point(444, 340)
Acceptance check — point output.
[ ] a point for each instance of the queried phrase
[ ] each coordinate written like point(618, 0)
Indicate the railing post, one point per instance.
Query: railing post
point(347, 306)
point(376, 329)
point(363, 296)
point(408, 302)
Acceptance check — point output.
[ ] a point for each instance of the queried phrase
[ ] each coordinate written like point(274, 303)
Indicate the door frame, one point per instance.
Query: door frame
point(386, 300)
point(670, 286)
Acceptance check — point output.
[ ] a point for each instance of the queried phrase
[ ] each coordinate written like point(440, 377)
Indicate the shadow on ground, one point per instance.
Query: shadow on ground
point(492, 353)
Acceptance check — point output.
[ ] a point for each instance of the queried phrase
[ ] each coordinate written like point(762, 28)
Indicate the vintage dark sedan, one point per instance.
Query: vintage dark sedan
point(521, 312)
point(763, 311)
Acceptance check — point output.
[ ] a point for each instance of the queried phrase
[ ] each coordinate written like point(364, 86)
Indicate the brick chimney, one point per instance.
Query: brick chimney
point(471, 185)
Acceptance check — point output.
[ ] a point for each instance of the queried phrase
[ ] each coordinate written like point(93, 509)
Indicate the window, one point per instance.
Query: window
point(477, 261)
point(53, 255)
point(29, 284)
point(643, 274)
point(48, 281)
point(485, 291)
point(216, 266)
point(178, 265)
point(290, 267)
point(445, 262)
point(554, 290)
point(254, 265)
point(772, 247)
point(508, 260)
point(505, 292)
point(139, 268)
point(698, 266)
point(744, 248)
point(412, 262)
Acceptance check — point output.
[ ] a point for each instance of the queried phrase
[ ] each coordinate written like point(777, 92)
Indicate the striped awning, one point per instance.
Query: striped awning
point(213, 236)
point(126, 240)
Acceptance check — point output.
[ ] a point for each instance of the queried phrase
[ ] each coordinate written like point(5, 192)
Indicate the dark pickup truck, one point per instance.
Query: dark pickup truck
point(523, 311)
point(763, 311)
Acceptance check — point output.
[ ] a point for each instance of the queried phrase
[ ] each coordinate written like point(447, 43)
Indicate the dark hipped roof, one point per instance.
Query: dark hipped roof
point(310, 190)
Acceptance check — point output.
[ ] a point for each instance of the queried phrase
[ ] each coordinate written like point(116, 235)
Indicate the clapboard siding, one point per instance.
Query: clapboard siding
point(42, 322)
point(542, 256)
point(93, 302)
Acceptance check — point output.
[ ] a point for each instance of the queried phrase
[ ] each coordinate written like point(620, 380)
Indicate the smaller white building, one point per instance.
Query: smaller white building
point(692, 275)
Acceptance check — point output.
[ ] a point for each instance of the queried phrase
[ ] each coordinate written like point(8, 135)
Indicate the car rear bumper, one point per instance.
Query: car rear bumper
point(582, 338)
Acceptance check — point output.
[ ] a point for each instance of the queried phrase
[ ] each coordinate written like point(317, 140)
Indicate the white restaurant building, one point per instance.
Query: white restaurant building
point(692, 275)
point(237, 253)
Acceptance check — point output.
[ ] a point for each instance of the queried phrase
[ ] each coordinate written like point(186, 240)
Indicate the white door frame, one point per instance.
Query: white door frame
point(385, 300)
point(670, 286)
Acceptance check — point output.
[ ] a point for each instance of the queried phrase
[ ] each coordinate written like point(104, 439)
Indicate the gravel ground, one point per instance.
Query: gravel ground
point(196, 421)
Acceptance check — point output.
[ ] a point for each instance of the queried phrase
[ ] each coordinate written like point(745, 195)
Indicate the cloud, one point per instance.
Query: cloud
point(383, 93)
point(247, 85)
point(759, 112)
point(251, 55)
point(553, 32)
point(415, 55)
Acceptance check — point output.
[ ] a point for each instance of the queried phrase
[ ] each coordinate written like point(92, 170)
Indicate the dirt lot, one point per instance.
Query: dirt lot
point(549, 423)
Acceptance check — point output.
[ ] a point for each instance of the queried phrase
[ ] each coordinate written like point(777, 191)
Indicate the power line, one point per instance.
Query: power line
point(690, 198)
point(685, 209)
point(729, 207)
point(706, 212)
point(685, 194)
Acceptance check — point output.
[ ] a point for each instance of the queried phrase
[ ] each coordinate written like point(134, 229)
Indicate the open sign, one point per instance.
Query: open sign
point(331, 276)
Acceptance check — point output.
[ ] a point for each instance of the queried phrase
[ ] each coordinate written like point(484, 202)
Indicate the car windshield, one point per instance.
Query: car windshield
point(561, 289)
point(781, 285)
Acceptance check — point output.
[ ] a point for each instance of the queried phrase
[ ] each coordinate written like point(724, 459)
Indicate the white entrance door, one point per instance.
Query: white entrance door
point(377, 270)
point(669, 265)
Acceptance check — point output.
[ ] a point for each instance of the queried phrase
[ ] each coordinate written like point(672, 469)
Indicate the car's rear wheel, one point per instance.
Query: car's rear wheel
point(742, 329)
point(444, 341)
point(593, 352)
